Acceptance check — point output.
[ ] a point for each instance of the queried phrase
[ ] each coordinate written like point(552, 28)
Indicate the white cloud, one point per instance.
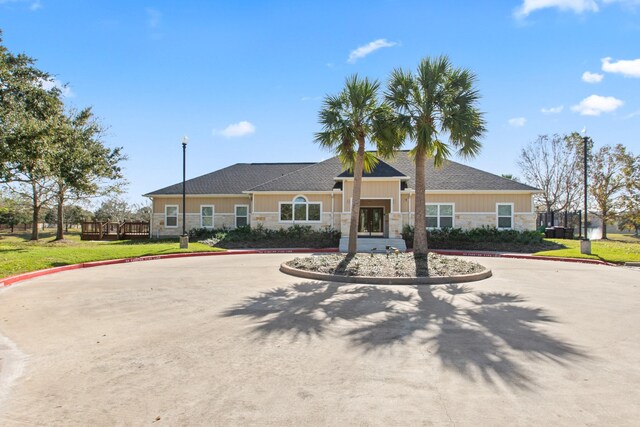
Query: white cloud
point(365, 50)
point(628, 68)
point(577, 6)
point(65, 90)
point(595, 105)
point(552, 110)
point(517, 122)
point(35, 5)
point(154, 17)
point(634, 114)
point(589, 77)
point(235, 130)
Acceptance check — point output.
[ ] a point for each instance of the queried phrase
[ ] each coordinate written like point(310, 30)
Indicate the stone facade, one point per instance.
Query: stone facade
point(158, 230)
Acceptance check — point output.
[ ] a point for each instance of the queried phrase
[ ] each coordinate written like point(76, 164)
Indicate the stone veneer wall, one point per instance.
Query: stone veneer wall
point(522, 221)
point(270, 220)
point(193, 221)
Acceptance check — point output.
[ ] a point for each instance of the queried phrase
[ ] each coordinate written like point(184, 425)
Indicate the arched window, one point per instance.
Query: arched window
point(300, 210)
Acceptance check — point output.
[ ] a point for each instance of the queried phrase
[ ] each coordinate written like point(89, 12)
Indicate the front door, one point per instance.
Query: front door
point(371, 222)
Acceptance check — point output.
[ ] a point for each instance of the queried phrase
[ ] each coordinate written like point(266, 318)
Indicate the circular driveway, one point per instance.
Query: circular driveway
point(229, 340)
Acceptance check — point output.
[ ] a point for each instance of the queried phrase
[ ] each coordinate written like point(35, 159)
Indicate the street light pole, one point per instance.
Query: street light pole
point(184, 239)
point(585, 244)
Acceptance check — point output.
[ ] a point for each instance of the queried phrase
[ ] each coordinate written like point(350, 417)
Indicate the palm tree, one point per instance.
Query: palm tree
point(349, 120)
point(436, 104)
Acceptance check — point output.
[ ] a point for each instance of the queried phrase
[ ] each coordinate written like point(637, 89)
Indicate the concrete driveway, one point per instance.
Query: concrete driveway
point(228, 340)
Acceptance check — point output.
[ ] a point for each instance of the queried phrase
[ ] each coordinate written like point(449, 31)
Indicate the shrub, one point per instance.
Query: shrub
point(483, 238)
point(260, 237)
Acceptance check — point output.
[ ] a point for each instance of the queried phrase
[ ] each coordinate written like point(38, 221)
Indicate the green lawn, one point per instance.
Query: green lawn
point(19, 255)
point(619, 248)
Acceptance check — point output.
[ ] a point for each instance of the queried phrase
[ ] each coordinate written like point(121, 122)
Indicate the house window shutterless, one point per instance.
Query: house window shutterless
point(171, 216)
point(504, 215)
point(439, 215)
point(242, 215)
point(206, 216)
point(300, 210)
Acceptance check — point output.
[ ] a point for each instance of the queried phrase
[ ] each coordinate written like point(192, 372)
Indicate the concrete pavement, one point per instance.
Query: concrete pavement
point(230, 340)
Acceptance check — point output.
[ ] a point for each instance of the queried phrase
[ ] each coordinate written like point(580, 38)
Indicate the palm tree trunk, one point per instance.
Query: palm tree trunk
point(420, 231)
point(355, 197)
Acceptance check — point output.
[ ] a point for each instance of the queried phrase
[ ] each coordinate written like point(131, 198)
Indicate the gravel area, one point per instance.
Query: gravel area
point(381, 265)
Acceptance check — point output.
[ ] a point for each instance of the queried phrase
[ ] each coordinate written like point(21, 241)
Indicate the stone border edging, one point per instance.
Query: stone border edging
point(438, 280)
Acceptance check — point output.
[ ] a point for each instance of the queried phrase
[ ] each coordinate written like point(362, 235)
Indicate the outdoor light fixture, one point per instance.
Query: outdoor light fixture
point(184, 239)
point(585, 243)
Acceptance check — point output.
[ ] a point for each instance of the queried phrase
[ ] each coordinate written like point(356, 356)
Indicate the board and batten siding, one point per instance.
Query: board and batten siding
point(475, 203)
point(374, 189)
point(223, 204)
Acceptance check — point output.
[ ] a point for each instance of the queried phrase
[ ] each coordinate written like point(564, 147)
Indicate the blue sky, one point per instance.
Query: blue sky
point(245, 80)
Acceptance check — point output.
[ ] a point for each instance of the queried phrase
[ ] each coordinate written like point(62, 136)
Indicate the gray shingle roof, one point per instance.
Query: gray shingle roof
point(381, 170)
point(316, 177)
point(233, 179)
point(455, 176)
point(320, 176)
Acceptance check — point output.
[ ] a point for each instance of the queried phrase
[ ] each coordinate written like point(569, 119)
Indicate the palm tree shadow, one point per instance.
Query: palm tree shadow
point(482, 336)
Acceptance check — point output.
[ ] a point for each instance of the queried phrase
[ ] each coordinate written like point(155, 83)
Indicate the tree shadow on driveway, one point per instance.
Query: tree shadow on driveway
point(477, 334)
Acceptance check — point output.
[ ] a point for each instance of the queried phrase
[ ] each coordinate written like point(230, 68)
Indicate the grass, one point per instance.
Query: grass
point(19, 255)
point(618, 248)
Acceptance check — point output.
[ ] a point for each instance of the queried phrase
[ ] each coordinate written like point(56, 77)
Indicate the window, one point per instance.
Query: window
point(505, 215)
point(439, 215)
point(206, 216)
point(300, 210)
point(171, 216)
point(242, 215)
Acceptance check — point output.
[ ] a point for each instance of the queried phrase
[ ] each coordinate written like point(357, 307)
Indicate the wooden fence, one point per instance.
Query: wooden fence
point(96, 230)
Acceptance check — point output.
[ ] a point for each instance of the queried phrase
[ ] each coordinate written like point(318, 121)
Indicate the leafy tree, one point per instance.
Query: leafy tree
point(13, 211)
point(74, 215)
point(113, 209)
point(83, 166)
point(28, 113)
point(141, 212)
point(349, 120)
point(554, 164)
point(510, 176)
point(630, 200)
point(437, 103)
point(608, 179)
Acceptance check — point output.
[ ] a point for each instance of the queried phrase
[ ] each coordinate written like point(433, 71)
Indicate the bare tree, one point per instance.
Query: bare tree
point(552, 164)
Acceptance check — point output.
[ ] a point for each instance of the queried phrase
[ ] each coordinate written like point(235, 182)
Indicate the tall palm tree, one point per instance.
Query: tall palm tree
point(438, 109)
point(350, 119)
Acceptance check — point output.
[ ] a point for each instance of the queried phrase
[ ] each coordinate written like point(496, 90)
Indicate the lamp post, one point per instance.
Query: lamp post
point(184, 238)
point(585, 243)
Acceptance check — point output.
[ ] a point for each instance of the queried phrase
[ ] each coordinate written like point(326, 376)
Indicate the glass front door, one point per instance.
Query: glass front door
point(371, 222)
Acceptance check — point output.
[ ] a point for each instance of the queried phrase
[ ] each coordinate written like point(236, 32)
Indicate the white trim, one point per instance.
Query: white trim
point(165, 196)
point(438, 204)
point(177, 215)
point(268, 193)
point(235, 214)
point(503, 216)
point(213, 216)
point(390, 179)
point(472, 192)
point(293, 210)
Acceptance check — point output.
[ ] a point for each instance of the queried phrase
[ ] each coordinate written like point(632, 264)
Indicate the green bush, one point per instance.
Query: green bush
point(259, 237)
point(483, 238)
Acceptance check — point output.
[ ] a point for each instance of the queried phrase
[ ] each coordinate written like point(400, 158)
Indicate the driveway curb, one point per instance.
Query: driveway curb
point(371, 280)
point(38, 273)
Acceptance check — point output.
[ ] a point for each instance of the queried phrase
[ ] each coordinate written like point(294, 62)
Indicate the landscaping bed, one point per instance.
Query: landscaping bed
point(258, 237)
point(381, 265)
